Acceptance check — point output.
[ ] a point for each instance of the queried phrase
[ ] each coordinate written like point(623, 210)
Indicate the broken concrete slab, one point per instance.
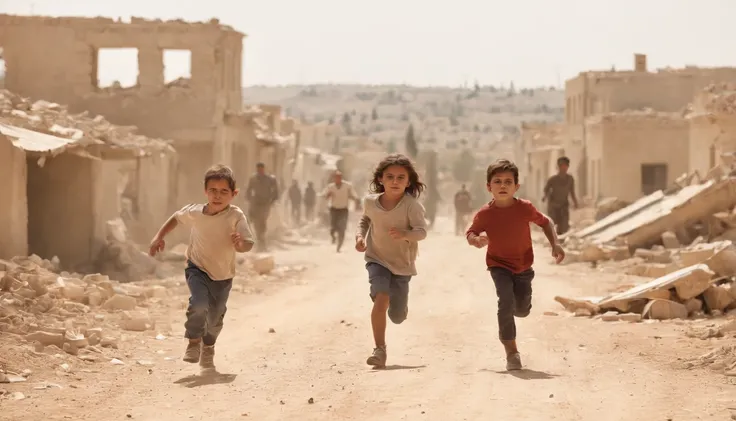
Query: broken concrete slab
point(670, 241)
point(688, 283)
point(664, 310)
point(642, 223)
point(717, 298)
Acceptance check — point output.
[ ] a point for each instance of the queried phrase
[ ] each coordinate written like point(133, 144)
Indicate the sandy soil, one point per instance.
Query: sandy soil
point(444, 362)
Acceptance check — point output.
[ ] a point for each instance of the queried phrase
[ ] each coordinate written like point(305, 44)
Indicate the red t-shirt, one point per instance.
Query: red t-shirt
point(509, 235)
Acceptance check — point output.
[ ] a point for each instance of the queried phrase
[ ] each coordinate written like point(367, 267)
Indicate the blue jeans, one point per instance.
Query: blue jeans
point(207, 305)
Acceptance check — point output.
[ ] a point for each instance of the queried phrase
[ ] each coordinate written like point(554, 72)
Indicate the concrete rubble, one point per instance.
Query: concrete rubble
point(700, 282)
point(88, 317)
point(54, 119)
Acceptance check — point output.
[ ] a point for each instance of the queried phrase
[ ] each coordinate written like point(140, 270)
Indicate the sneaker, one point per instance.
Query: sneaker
point(208, 357)
point(191, 355)
point(378, 359)
point(513, 362)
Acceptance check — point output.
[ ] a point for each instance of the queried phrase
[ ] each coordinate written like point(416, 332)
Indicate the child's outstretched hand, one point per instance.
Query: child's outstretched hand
point(360, 244)
point(157, 245)
point(397, 234)
point(558, 253)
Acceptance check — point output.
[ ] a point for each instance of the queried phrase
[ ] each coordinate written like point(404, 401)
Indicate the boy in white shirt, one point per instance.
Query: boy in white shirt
point(218, 230)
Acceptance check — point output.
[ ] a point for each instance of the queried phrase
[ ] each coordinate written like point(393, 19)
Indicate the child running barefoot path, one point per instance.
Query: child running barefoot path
point(505, 223)
point(218, 230)
point(389, 231)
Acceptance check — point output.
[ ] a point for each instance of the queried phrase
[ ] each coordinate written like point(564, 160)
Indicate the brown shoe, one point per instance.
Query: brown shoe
point(208, 357)
point(378, 359)
point(513, 362)
point(191, 355)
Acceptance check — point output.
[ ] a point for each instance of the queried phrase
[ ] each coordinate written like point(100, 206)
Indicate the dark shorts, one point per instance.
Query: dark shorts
point(396, 286)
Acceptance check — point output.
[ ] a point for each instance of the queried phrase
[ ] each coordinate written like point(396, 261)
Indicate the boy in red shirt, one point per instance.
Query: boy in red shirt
point(505, 223)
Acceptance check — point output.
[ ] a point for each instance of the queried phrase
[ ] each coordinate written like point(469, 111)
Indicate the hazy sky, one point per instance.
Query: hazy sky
point(425, 42)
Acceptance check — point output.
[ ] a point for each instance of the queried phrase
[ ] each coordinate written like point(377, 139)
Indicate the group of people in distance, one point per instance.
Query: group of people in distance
point(390, 228)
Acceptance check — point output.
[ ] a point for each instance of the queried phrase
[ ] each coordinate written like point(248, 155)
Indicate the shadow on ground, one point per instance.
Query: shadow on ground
point(206, 379)
point(399, 367)
point(525, 374)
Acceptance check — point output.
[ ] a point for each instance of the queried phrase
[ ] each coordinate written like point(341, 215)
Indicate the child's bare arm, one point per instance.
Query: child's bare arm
point(158, 244)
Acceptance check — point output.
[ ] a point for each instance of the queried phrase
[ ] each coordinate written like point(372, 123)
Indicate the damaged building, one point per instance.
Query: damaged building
point(58, 59)
point(65, 177)
point(602, 92)
point(635, 153)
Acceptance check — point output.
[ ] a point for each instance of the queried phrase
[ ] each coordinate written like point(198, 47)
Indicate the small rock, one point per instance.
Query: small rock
point(271, 330)
point(116, 361)
point(310, 401)
point(550, 313)
point(18, 396)
point(120, 302)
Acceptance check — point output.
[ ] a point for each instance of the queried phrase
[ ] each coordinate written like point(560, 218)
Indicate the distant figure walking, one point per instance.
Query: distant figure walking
point(295, 200)
point(261, 193)
point(463, 209)
point(339, 193)
point(310, 201)
point(556, 192)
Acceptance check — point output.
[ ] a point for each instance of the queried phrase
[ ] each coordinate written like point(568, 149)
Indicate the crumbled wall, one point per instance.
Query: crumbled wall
point(14, 212)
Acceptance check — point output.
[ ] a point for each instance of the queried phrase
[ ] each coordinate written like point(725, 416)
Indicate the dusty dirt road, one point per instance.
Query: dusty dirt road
point(444, 362)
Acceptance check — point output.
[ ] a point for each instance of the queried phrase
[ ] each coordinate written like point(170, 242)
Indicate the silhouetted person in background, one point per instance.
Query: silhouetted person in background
point(295, 199)
point(310, 201)
point(463, 208)
point(558, 189)
point(261, 193)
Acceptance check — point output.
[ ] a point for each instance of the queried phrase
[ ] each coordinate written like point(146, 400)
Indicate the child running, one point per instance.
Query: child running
point(503, 226)
point(389, 230)
point(218, 230)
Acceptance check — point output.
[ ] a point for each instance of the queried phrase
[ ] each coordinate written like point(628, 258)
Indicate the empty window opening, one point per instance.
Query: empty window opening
point(117, 67)
point(653, 178)
point(177, 66)
point(2, 68)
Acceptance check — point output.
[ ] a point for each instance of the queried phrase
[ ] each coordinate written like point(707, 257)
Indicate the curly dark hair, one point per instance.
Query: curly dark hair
point(415, 187)
point(220, 172)
point(501, 166)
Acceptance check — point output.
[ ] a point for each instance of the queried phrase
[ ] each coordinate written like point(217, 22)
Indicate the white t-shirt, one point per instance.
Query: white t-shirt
point(210, 243)
point(340, 196)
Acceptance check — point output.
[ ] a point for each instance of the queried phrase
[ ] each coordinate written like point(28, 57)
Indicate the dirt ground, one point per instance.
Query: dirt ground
point(445, 362)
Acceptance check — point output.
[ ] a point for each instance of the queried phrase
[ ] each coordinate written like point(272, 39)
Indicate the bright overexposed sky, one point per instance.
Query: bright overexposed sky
point(433, 42)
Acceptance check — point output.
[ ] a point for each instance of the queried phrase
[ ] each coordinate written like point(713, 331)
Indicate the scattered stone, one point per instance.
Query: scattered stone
point(120, 302)
point(271, 330)
point(263, 263)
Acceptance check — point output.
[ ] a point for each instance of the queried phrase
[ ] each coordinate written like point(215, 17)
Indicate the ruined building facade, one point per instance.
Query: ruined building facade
point(57, 59)
point(595, 93)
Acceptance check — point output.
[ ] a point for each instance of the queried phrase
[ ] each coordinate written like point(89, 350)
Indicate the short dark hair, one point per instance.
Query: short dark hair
point(220, 172)
point(501, 166)
point(260, 165)
point(563, 160)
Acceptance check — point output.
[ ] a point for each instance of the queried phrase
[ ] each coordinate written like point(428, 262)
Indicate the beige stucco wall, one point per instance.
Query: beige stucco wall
point(56, 59)
point(624, 145)
point(710, 136)
point(14, 213)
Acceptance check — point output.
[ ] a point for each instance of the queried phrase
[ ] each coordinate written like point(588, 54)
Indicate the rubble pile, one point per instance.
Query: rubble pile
point(54, 119)
point(720, 98)
point(70, 311)
point(646, 239)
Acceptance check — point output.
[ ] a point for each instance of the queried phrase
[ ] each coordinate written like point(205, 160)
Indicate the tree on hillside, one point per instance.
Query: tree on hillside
point(464, 166)
point(374, 114)
point(391, 146)
point(411, 143)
